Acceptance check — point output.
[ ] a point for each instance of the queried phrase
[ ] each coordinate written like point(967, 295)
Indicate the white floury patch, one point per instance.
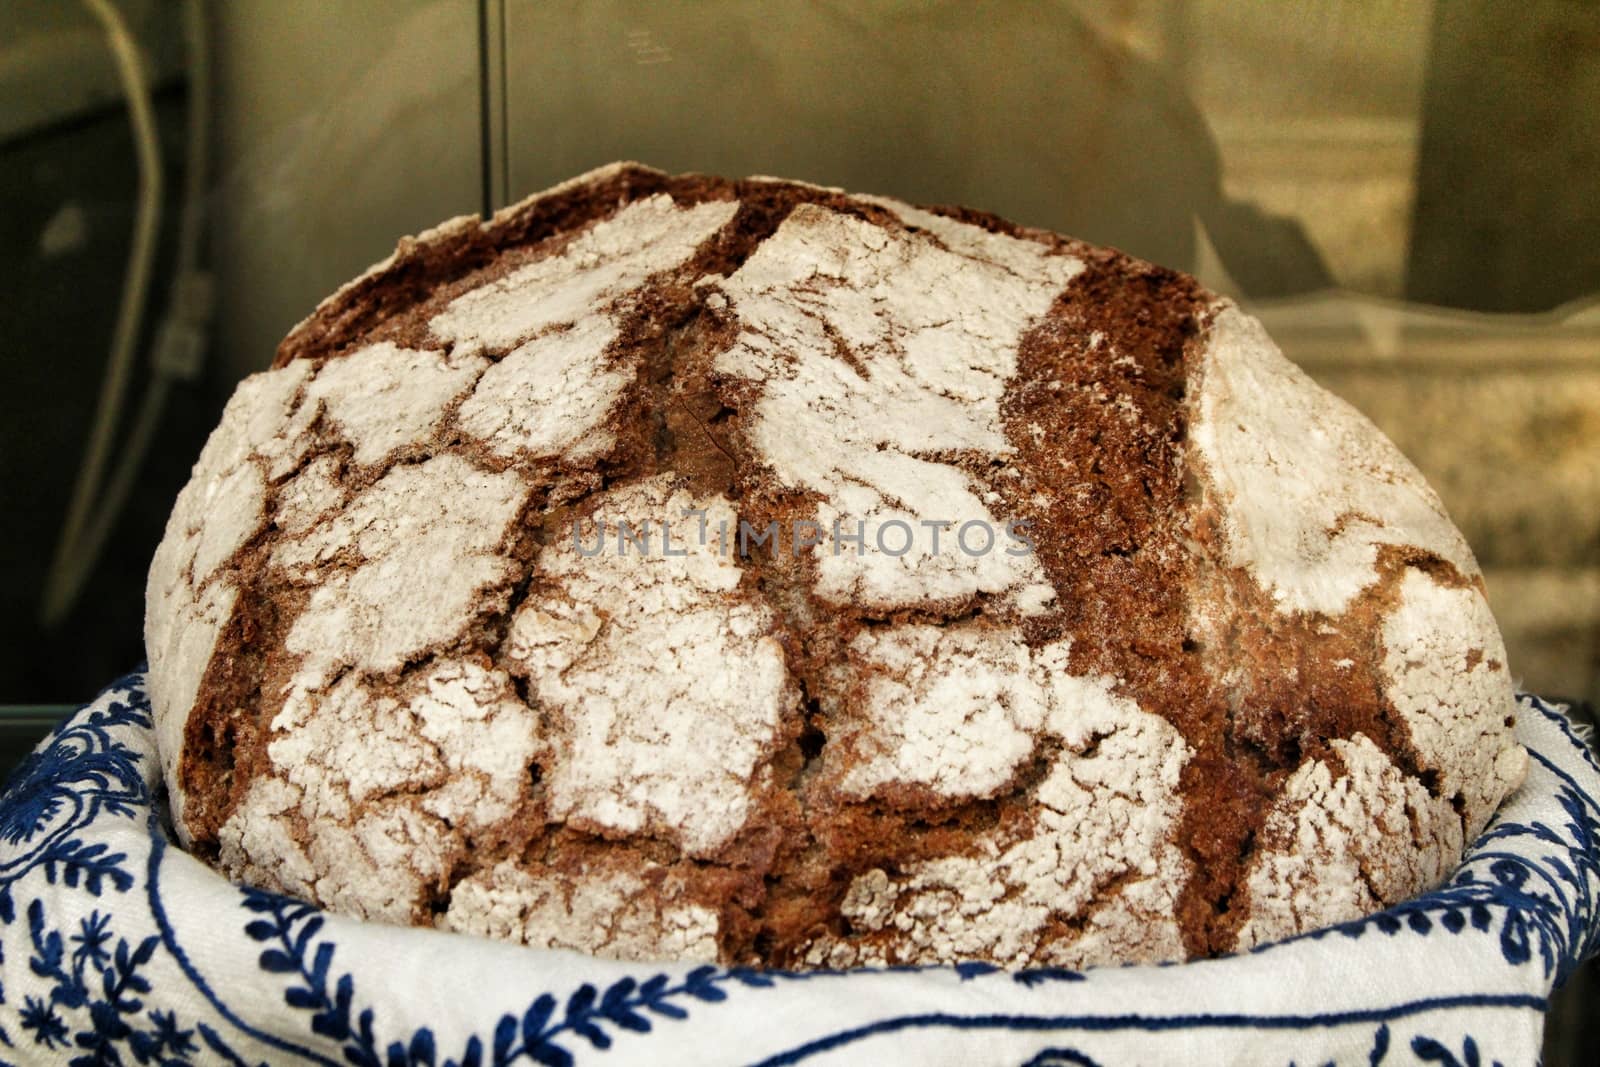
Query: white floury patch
point(1447, 674)
point(187, 602)
point(375, 866)
point(463, 737)
point(1106, 811)
point(257, 844)
point(1017, 256)
point(383, 398)
point(426, 541)
point(1341, 845)
point(608, 261)
point(931, 336)
point(953, 708)
point(1307, 486)
point(235, 505)
point(386, 787)
point(343, 745)
point(613, 915)
point(661, 681)
point(312, 494)
point(551, 395)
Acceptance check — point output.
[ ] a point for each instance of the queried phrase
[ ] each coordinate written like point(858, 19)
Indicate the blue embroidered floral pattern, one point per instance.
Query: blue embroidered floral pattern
point(289, 928)
point(94, 972)
point(82, 773)
point(102, 989)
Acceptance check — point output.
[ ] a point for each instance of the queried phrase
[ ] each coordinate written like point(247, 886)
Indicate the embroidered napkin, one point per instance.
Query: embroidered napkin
point(118, 948)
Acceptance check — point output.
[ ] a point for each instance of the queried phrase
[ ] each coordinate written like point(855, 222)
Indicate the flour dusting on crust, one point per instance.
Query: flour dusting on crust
point(399, 569)
point(933, 337)
point(661, 677)
point(368, 795)
point(310, 495)
point(1448, 677)
point(614, 915)
point(1344, 841)
point(1309, 488)
point(550, 396)
point(1105, 814)
point(956, 709)
point(222, 506)
point(606, 262)
point(385, 398)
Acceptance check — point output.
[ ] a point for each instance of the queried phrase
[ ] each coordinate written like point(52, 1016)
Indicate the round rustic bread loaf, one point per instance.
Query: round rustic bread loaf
point(673, 567)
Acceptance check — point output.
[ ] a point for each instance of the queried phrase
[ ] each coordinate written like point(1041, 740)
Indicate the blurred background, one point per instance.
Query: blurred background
point(1406, 191)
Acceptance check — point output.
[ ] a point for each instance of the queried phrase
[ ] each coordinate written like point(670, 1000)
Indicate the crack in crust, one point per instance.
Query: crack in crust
point(387, 678)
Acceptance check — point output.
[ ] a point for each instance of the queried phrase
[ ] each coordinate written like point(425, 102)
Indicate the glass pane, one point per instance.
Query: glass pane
point(1405, 191)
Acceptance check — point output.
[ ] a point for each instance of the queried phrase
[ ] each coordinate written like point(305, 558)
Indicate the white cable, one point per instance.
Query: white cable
point(65, 576)
point(181, 340)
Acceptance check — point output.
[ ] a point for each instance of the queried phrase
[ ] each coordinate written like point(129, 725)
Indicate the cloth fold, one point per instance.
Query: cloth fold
point(117, 947)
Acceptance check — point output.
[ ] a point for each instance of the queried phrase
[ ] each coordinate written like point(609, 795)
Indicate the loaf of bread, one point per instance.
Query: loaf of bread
point(684, 568)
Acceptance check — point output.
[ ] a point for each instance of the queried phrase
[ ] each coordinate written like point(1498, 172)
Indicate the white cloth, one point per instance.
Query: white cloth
point(117, 944)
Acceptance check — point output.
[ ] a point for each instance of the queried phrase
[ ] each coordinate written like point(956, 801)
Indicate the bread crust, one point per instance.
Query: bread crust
point(1242, 682)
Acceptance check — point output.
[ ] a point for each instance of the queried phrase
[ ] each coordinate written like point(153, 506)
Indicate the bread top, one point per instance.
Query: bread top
point(1222, 671)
